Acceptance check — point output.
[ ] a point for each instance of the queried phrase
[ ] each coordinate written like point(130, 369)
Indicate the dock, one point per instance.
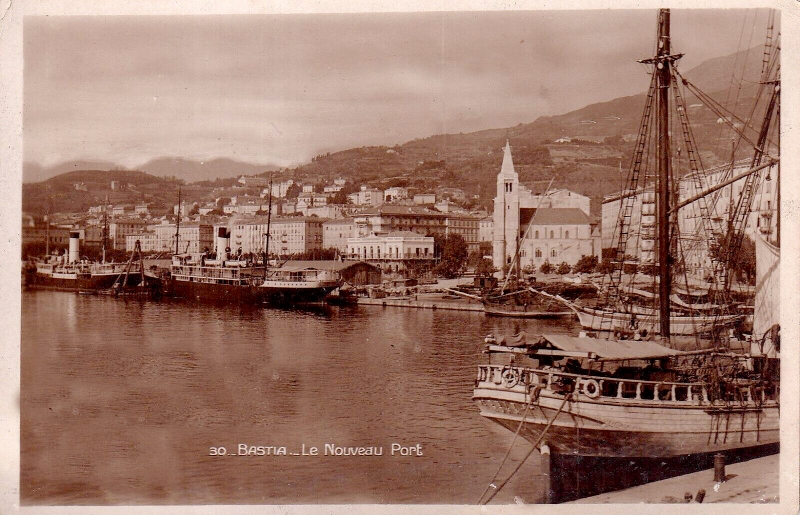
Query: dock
point(752, 481)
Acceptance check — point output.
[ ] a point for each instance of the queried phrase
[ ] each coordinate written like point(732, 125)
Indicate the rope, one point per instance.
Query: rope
point(503, 462)
point(538, 441)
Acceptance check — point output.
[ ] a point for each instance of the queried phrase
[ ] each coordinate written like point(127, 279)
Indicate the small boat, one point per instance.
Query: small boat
point(298, 284)
point(525, 303)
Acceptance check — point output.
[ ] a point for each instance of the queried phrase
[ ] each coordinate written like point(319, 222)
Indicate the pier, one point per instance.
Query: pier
point(753, 481)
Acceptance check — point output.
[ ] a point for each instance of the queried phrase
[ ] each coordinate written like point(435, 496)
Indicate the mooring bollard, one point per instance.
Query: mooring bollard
point(701, 494)
point(546, 465)
point(719, 468)
point(687, 497)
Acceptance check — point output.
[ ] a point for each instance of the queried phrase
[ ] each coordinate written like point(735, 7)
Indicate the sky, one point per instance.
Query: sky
point(280, 89)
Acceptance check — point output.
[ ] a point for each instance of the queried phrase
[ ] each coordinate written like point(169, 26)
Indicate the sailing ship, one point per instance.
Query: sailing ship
point(635, 397)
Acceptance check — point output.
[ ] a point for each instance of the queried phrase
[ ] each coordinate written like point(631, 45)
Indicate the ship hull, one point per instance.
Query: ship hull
point(214, 292)
point(630, 427)
point(287, 294)
point(77, 282)
point(523, 311)
point(597, 320)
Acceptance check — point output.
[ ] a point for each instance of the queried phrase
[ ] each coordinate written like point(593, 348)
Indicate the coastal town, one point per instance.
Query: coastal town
point(584, 308)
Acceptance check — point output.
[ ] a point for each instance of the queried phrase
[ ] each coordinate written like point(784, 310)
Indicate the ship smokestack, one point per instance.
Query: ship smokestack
point(74, 246)
point(223, 243)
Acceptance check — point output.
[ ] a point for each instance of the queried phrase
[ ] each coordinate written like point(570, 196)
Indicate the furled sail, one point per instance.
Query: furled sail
point(766, 317)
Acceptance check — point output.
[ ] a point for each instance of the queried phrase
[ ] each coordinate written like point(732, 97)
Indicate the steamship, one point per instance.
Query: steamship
point(226, 278)
point(68, 272)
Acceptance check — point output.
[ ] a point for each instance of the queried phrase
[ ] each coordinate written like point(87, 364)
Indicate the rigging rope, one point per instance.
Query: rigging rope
point(538, 441)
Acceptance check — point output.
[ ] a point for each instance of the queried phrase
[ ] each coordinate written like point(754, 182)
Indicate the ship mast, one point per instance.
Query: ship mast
point(269, 219)
point(663, 196)
point(178, 222)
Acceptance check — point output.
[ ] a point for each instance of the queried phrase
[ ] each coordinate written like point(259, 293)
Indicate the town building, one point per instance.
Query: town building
point(692, 226)
point(396, 251)
point(486, 228)
point(336, 233)
point(192, 238)
point(119, 229)
point(366, 196)
point(555, 234)
point(288, 236)
point(395, 193)
point(425, 198)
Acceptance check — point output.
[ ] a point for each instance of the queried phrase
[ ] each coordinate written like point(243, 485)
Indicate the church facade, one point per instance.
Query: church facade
point(554, 227)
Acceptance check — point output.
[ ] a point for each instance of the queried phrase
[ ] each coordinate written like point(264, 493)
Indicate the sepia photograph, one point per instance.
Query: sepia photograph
point(414, 257)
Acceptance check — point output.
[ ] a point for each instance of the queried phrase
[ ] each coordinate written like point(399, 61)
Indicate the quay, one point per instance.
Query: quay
point(752, 481)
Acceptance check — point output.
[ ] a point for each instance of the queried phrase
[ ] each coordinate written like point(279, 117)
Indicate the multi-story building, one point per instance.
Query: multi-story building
point(425, 198)
point(192, 238)
point(693, 228)
point(395, 193)
point(291, 235)
point(468, 227)
point(486, 228)
point(393, 251)
point(120, 228)
point(336, 233)
point(388, 218)
point(366, 196)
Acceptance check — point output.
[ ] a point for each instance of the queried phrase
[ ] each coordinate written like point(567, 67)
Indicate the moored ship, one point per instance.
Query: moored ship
point(298, 283)
point(223, 279)
point(628, 396)
point(69, 272)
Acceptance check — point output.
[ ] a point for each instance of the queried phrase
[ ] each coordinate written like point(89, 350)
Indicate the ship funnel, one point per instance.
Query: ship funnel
point(74, 246)
point(223, 243)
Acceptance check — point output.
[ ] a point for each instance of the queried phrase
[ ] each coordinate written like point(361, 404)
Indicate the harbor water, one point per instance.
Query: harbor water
point(137, 402)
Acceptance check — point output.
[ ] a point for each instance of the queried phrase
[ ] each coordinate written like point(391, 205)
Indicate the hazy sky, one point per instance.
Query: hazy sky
point(283, 88)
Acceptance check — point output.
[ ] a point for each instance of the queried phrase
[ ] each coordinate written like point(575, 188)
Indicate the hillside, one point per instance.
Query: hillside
point(187, 170)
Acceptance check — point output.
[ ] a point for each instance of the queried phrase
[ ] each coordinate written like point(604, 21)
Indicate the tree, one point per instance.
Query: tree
point(564, 268)
point(454, 253)
point(293, 191)
point(546, 268)
point(340, 197)
point(485, 268)
point(585, 265)
point(741, 261)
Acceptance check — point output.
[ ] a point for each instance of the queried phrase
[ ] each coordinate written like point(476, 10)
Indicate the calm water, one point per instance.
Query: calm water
point(122, 401)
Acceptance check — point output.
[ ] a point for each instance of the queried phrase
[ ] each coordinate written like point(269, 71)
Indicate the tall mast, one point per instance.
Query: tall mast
point(269, 218)
point(105, 229)
point(178, 223)
point(664, 77)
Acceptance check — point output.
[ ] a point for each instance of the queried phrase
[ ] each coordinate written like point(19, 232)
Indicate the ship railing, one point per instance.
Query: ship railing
point(595, 387)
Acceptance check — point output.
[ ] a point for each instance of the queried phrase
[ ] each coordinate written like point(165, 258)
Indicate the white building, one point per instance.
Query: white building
point(395, 193)
point(425, 198)
point(279, 189)
point(366, 196)
point(291, 235)
point(193, 237)
point(393, 251)
point(486, 228)
point(694, 231)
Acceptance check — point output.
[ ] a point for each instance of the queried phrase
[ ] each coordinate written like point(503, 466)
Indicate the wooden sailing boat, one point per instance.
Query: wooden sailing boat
point(641, 399)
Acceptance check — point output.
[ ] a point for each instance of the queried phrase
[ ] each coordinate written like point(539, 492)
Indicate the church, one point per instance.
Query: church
point(554, 227)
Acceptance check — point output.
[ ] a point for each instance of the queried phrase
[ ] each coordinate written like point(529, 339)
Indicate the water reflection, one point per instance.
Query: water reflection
point(122, 401)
